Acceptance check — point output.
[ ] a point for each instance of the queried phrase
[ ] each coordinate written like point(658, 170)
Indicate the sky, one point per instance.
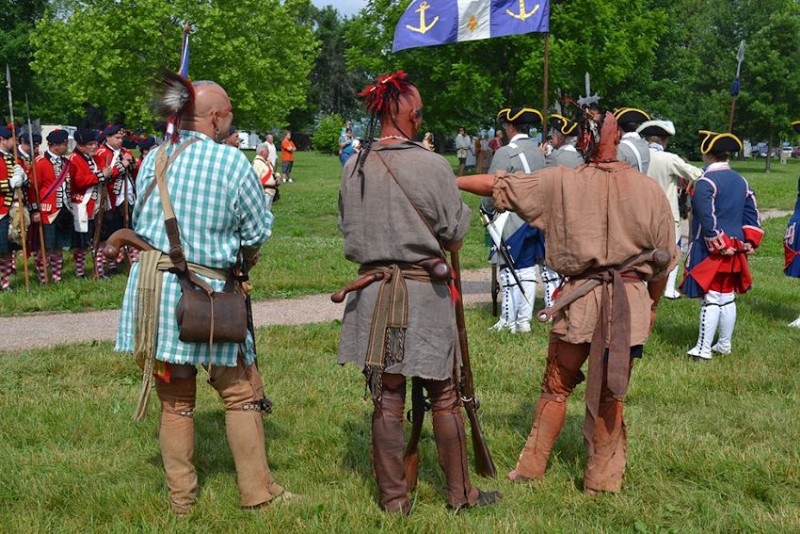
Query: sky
point(345, 7)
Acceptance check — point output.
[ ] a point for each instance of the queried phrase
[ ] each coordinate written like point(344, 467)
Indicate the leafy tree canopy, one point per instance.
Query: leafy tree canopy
point(106, 52)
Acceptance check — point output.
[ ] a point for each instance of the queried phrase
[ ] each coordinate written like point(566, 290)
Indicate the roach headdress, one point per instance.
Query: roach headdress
point(380, 99)
point(173, 99)
point(385, 92)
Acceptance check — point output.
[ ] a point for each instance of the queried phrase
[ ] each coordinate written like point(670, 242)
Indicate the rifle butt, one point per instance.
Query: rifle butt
point(484, 465)
point(417, 415)
point(411, 467)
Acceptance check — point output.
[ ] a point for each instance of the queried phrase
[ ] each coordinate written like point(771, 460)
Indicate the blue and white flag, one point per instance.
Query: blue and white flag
point(184, 68)
point(434, 22)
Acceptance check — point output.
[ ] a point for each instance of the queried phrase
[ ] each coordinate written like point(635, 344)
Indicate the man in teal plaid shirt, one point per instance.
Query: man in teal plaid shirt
point(220, 207)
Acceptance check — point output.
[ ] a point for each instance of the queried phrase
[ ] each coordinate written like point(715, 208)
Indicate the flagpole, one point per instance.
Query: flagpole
point(546, 82)
point(736, 84)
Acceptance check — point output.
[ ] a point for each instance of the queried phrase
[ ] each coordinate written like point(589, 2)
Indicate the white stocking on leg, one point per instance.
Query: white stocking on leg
point(727, 320)
point(506, 301)
point(709, 320)
point(671, 291)
point(524, 308)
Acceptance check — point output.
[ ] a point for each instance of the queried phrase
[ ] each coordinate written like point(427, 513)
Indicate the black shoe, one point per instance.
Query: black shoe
point(112, 271)
point(485, 498)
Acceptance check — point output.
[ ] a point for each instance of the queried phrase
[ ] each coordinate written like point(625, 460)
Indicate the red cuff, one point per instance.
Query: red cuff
point(753, 234)
point(719, 243)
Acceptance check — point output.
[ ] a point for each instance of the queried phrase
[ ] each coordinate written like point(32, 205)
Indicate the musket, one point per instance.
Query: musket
point(484, 465)
point(243, 277)
point(419, 405)
point(502, 249)
point(20, 198)
point(36, 191)
point(99, 214)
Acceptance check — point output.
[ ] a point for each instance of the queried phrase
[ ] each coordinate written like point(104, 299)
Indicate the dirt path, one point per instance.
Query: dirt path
point(42, 330)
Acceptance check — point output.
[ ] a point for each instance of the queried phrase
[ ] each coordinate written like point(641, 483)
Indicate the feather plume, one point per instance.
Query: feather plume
point(173, 99)
point(174, 95)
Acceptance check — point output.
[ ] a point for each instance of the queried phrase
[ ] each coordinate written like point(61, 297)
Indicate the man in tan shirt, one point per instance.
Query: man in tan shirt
point(596, 219)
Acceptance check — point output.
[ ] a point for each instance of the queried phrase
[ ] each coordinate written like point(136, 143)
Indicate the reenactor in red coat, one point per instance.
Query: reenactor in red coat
point(85, 181)
point(119, 183)
point(12, 177)
point(53, 212)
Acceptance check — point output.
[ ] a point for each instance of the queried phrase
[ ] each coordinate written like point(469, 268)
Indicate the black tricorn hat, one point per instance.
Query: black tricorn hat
point(562, 124)
point(717, 143)
point(630, 116)
point(796, 126)
point(520, 115)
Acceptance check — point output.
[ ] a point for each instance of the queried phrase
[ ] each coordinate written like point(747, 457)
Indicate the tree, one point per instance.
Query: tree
point(106, 52)
point(466, 83)
point(17, 20)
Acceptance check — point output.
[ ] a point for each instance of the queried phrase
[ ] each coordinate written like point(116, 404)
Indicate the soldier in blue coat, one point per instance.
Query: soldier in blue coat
point(791, 240)
point(725, 231)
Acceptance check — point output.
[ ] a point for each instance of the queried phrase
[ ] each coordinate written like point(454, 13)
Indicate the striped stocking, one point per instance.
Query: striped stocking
point(5, 272)
point(100, 261)
point(56, 260)
point(40, 265)
point(79, 257)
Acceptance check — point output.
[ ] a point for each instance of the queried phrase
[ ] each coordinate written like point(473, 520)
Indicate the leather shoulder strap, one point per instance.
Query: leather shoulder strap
point(171, 160)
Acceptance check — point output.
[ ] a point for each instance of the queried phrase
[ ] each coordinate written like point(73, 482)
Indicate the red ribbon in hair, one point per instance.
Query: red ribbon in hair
point(387, 89)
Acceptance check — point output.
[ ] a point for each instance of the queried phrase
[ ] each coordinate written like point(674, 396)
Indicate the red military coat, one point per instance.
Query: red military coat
point(84, 177)
point(6, 193)
point(52, 177)
point(116, 182)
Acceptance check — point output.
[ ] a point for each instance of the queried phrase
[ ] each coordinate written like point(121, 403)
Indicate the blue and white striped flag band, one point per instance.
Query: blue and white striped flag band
point(184, 70)
point(434, 22)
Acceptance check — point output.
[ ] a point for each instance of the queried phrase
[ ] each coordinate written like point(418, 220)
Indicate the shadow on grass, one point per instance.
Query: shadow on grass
point(772, 309)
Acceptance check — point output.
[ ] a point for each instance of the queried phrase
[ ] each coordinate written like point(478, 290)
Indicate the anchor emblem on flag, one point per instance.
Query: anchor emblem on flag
point(523, 15)
point(423, 28)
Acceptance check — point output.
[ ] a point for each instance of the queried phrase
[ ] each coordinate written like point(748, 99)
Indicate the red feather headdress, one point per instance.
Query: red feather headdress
point(385, 91)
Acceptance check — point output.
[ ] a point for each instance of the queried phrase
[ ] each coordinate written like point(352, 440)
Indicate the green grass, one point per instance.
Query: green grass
point(304, 255)
point(713, 446)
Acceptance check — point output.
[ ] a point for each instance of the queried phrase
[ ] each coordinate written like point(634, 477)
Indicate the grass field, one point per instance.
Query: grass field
point(713, 446)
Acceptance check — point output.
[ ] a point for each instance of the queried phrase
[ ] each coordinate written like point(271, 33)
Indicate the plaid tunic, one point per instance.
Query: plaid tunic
point(220, 207)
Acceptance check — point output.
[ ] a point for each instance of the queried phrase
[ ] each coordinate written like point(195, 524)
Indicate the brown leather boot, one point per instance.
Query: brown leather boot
point(561, 376)
point(451, 443)
point(242, 389)
point(607, 453)
point(176, 437)
point(387, 446)
point(547, 424)
point(245, 431)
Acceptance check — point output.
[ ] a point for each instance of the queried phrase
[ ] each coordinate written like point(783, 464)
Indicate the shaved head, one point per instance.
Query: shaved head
point(212, 113)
